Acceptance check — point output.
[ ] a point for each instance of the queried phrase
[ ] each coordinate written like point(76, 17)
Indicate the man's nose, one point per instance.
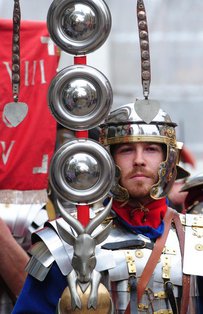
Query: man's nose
point(138, 158)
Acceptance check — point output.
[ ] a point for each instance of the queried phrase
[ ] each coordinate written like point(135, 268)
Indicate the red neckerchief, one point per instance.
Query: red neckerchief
point(150, 215)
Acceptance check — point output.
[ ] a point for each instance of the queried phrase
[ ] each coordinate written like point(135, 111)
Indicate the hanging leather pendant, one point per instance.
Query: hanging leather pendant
point(14, 113)
point(147, 109)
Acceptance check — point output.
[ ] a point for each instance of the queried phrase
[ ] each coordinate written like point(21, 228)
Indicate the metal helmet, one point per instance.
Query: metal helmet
point(193, 182)
point(124, 125)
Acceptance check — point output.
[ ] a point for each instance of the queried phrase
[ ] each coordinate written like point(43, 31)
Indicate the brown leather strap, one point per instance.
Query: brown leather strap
point(154, 257)
point(180, 231)
point(186, 278)
point(151, 264)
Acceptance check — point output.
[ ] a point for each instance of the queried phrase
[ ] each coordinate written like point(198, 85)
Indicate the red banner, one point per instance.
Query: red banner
point(26, 149)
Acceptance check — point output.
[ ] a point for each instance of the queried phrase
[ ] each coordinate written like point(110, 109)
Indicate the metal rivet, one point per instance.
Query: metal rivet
point(139, 254)
point(143, 34)
point(199, 247)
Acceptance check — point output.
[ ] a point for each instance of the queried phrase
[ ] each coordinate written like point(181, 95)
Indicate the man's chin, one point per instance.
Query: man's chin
point(139, 192)
point(136, 200)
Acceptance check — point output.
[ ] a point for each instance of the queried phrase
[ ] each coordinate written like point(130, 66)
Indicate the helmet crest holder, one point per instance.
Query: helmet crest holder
point(146, 109)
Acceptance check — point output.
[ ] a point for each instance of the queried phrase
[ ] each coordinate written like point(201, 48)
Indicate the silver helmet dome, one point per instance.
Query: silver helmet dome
point(124, 125)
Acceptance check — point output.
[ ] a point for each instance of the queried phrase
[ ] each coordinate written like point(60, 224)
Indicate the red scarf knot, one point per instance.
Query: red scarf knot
point(149, 215)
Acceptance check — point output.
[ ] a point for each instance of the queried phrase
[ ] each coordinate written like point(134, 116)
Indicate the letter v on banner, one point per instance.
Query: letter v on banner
point(6, 151)
point(26, 148)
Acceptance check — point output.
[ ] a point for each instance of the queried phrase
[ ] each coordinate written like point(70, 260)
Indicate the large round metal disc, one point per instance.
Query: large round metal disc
point(79, 27)
point(82, 171)
point(80, 97)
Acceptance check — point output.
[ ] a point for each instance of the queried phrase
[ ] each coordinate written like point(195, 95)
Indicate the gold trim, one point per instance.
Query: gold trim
point(140, 138)
point(104, 303)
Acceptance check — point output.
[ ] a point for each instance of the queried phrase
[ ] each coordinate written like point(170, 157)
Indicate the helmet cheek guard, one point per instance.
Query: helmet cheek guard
point(124, 125)
point(119, 193)
point(167, 174)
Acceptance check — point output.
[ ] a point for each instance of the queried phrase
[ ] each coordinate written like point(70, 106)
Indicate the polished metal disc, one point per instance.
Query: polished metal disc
point(80, 97)
point(79, 27)
point(82, 171)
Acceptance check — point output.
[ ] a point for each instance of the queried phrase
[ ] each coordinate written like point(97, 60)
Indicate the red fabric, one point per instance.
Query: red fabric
point(80, 60)
point(134, 215)
point(22, 148)
point(81, 134)
point(83, 214)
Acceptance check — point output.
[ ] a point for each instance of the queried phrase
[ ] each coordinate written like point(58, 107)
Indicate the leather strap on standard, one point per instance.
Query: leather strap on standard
point(153, 259)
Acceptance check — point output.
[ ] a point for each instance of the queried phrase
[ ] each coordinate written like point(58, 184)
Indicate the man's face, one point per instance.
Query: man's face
point(139, 163)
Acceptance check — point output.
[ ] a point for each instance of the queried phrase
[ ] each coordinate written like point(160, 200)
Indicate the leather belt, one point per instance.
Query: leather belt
point(128, 244)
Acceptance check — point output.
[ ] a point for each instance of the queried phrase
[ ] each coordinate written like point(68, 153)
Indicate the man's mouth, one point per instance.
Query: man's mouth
point(138, 176)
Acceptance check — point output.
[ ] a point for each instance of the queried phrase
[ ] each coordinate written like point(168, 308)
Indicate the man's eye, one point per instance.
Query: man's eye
point(125, 150)
point(152, 148)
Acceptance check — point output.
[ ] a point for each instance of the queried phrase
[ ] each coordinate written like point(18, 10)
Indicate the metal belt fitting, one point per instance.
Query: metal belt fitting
point(130, 259)
point(170, 251)
point(160, 295)
point(197, 226)
point(142, 307)
point(132, 282)
point(166, 269)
